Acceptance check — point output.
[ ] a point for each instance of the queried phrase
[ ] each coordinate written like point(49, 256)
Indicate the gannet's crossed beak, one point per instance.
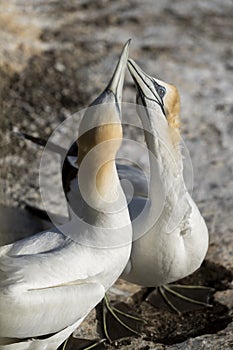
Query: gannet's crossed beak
point(148, 88)
point(106, 108)
point(113, 92)
point(116, 83)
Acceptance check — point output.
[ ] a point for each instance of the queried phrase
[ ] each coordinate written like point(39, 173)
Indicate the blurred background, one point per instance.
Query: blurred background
point(57, 56)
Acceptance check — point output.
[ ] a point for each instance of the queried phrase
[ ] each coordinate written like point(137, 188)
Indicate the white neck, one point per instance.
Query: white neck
point(102, 194)
point(103, 219)
point(167, 185)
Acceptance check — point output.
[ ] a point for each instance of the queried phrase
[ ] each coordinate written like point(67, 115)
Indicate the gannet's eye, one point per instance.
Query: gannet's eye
point(161, 91)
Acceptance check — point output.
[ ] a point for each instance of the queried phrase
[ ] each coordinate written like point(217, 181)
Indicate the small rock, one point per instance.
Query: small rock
point(60, 67)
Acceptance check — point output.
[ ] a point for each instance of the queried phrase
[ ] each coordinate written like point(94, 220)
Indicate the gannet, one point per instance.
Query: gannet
point(177, 241)
point(163, 254)
point(173, 246)
point(50, 281)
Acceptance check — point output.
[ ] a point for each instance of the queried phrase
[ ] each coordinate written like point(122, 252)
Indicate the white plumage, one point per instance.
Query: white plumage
point(173, 237)
point(50, 281)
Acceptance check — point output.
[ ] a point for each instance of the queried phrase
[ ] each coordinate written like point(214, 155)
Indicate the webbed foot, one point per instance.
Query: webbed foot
point(181, 298)
point(116, 322)
point(73, 343)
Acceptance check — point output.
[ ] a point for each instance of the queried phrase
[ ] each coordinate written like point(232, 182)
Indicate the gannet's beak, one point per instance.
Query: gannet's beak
point(106, 108)
point(117, 80)
point(148, 88)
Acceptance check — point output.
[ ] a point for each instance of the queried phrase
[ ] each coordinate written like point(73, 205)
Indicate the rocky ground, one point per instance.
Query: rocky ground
point(56, 56)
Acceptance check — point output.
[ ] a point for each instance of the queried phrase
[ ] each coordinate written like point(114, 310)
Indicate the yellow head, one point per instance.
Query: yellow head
point(102, 120)
point(163, 98)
